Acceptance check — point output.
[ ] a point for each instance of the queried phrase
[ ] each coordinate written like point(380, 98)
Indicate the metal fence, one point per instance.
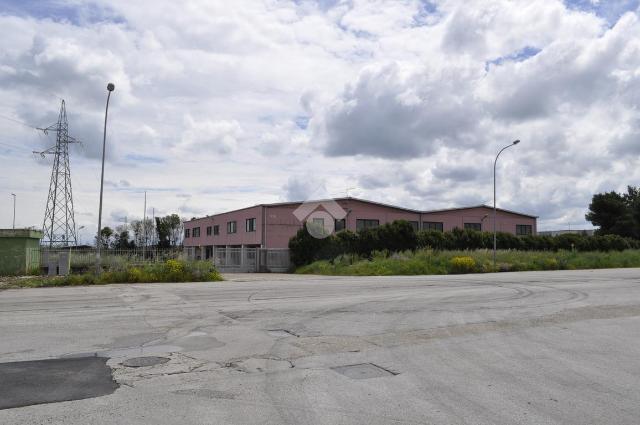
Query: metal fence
point(245, 260)
point(86, 257)
point(226, 259)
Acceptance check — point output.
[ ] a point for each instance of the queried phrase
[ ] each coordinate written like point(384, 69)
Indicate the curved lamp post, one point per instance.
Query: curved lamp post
point(494, 202)
point(110, 88)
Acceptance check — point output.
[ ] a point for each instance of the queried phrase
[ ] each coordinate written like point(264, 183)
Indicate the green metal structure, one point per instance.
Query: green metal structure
point(19, 251)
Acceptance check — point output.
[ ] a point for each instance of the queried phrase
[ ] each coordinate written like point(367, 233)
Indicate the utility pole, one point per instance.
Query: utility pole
point(144, 226)
point(153, 220)
point(14, 210)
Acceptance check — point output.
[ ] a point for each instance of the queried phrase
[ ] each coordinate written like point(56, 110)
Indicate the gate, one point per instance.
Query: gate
point(250, 260)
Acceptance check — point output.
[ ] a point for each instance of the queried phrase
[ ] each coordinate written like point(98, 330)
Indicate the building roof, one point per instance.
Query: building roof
point(21, 233)
point(350, 198)
point(480, 206)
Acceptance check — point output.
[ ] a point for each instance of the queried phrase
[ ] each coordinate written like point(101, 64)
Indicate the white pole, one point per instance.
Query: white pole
point(153, 219)
point(144, 226)
point(14, 210)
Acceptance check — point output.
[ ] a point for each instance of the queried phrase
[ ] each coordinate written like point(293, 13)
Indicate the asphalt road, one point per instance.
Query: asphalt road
point(511, 348)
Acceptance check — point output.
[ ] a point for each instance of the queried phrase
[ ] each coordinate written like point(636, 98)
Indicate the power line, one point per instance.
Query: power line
point(21, 148)
point(19, 122)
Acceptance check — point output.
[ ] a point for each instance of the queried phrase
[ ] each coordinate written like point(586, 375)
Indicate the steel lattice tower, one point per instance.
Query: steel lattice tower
point(59, 222)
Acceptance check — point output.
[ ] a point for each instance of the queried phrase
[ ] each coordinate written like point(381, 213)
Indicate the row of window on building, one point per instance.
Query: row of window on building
point(521, 229)
point(361, 224)
point(232, 227)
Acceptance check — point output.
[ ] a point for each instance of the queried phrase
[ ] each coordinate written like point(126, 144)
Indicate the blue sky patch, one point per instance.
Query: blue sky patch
point(144, 158)
point(518, 56)
point(426, 13)
point(56, 10)
point(611, 10)
point(302, 122)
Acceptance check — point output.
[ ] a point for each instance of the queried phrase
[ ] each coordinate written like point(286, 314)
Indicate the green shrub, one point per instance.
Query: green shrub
point(400, 236)
point(429, 261)
point(462, 265)
point(305, 248)
point(170, 271)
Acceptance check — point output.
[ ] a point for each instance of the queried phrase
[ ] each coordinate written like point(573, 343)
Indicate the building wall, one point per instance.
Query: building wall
point(19, 251)
point(384, 214)
point(241, 237)
point(281, 224)
point(506, 222)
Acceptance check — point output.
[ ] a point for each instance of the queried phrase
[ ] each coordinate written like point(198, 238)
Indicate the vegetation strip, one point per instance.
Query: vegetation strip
point(432, 262)
point(169, 271)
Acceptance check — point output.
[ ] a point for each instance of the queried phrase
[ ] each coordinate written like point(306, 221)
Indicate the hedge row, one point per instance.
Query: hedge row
point(400, 236)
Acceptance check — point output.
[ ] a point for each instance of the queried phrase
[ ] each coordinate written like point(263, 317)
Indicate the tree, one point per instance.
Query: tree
point(164, 232)
point(106, 235)
point(121, 239)
point(615, 213)
point(169, 230)
point(176, 224)
point(143, 231)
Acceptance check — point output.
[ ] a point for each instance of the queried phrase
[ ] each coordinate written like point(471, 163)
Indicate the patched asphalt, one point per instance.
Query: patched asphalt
point(54, 380)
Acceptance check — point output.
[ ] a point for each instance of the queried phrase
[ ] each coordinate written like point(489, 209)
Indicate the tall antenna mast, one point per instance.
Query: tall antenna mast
point(59, 222)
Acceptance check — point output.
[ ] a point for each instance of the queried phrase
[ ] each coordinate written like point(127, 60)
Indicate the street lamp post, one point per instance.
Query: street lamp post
point(14, 210)
point(494, 202)
point(80, 237)
point(110, 88)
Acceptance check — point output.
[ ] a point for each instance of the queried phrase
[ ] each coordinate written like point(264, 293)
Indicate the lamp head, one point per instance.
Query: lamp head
point(111, 87)
point(516, 142)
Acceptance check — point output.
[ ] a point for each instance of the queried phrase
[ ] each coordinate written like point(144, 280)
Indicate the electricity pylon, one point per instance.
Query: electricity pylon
point(59, 222)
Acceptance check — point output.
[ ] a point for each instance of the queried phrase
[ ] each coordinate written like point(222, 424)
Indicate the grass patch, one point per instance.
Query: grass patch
point(430, 262)
point(169, 271)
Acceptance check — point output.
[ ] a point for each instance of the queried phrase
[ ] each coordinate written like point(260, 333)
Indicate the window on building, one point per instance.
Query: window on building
point(232, 227)
point(187, 233)
point(433, 225)
point(524, 229)
point(216, 229)
point(250, 225)
point(317, 221)
point(362, 224)
point(415, 225)
point(340, 224)
point(473, 226)
point(208, 232)
point(195, 232)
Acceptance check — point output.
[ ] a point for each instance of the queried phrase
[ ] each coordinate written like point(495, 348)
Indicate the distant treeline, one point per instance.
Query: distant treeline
point(400, 236)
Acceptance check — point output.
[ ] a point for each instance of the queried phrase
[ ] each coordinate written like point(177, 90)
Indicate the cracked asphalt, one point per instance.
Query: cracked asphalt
point(510, 348)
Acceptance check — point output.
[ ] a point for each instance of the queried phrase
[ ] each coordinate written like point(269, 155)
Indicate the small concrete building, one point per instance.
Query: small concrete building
point(272, 225)
point(19, 251)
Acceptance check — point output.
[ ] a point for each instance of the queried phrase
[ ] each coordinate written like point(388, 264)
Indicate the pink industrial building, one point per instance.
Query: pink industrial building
point(272, 225)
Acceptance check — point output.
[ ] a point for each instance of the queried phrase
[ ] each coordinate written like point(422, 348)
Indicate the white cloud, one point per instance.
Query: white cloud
point(405, 99)
point(209, 136)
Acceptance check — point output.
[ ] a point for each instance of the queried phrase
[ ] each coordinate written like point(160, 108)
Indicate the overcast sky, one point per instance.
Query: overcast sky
point(224, 104)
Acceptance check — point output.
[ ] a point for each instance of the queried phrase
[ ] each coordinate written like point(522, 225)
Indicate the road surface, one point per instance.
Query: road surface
point(510, 348)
